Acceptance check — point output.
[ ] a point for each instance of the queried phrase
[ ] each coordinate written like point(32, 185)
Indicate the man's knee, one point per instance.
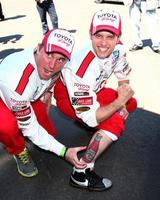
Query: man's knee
point(114, 125)
point(106, 96)
point(9, 126)
point(11, 137)
point(131, 105)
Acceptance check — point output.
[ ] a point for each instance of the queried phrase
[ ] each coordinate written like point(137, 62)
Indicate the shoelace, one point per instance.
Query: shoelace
point(93, 177)
point(24, 157)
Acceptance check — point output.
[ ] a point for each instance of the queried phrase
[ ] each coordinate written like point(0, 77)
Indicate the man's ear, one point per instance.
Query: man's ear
point(119, 40)
point(38, 48)
point(90, 34)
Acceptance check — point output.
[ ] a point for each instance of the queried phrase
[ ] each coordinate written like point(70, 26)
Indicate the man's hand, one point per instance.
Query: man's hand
point(125, 92)
point(71, 156)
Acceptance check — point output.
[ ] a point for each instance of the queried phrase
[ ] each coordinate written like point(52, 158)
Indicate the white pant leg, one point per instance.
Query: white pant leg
point(151, 19)
point(135, 19)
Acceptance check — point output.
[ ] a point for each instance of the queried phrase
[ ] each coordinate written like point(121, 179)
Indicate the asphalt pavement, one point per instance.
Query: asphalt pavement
point(132, 163)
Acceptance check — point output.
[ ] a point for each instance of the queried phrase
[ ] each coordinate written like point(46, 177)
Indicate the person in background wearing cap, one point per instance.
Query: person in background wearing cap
point(24, 78)
point(81, 93)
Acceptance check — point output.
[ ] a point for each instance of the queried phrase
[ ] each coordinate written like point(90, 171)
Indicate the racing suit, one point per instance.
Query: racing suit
point(83, 88)
point(22, 113)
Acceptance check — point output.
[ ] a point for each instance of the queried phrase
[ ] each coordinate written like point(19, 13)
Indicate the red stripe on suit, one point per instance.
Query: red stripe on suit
point(24, 79)
point(85, 63)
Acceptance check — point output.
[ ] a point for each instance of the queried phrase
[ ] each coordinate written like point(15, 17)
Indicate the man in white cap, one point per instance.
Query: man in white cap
point(25, 77)
point(81, 93)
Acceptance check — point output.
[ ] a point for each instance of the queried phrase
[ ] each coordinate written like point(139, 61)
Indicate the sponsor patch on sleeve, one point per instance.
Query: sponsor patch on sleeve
point(126, 69)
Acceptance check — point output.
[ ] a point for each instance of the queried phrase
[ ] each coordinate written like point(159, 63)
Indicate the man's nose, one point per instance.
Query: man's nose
point(104, 42)
point(52, 63)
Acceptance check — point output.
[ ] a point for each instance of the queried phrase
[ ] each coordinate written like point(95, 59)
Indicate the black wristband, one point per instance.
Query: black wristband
point(65, 152)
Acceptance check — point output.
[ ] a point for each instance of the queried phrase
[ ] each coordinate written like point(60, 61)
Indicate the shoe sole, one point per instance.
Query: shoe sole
point(27, 175)
point(132, 50)
point(89, 188)
point(156, 51)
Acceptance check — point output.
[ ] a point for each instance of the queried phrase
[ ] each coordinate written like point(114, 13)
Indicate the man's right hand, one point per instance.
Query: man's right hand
point(71, 156)
point(125, 92)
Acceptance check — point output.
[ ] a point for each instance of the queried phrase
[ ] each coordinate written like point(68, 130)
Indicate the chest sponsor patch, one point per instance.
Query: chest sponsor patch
point(17, 103)
point(23, 115)
point(82, 109)
point(81, 87)
point(81, 93)
point(82, 101)
point(116, 54)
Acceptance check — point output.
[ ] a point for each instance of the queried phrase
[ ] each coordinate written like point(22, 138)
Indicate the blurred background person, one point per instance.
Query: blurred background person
point(1, 13)
point(44, 7)
point(147, 8)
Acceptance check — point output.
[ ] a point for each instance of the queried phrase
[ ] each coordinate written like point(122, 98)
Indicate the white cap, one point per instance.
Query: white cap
point(60, 41)
point(106, 20)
